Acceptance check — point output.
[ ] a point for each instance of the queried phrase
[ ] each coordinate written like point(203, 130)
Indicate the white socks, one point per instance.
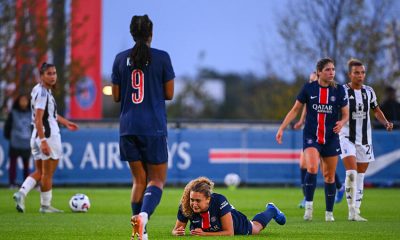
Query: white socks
point(351, 184)
point(45, 198)
point(28, 185)
point(360, 189)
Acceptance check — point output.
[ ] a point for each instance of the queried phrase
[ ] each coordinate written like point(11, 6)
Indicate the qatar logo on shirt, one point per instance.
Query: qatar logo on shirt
point(322, 108)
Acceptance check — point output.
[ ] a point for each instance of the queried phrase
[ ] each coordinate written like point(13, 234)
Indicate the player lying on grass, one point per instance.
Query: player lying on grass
point(210, 214)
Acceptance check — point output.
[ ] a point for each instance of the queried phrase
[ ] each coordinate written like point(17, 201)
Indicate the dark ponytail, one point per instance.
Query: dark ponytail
point(141, 29)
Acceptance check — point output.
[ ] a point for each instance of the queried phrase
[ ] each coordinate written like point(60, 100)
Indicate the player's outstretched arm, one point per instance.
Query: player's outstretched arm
point(68, 124)
point(382, 119)
point(289, 117)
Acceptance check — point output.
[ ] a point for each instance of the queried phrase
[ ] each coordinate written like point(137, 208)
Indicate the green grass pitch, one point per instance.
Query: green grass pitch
point(108, 217)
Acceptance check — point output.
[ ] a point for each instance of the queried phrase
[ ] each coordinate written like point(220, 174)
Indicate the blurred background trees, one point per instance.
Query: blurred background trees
point(310, 29)
point(31, 32)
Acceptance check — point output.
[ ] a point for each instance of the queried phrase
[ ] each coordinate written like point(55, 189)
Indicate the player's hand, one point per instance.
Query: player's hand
point(298, 125)
point(197, 232)
point(180, 231)
point(278, 136)
point(72, 126)
point(338, 126)
point(389, 126)
point(44, 148)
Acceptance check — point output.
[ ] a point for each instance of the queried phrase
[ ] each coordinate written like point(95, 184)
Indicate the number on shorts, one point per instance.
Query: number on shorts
point(138, 85)
point(369, 149)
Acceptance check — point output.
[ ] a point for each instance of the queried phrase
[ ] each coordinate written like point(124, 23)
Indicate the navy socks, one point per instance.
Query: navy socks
point(330, 192)
point(310, 182)
point(151, 199)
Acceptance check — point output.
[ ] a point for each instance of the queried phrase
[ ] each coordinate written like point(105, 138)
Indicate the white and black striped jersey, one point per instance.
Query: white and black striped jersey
point(358, 128)
point(42, 98)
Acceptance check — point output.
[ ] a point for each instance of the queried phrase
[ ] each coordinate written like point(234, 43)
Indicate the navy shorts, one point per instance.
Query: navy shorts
point(148, 149)
point(329, 149)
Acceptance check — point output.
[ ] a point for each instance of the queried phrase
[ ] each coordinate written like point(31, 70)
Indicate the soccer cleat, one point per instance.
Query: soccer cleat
point(302, 204)
point(49, 209)
point(279, 217)
point(339, 194)
point(139, 223)
point(354, 215)
point(19, 199)
point(308, 212)
point(329, 217)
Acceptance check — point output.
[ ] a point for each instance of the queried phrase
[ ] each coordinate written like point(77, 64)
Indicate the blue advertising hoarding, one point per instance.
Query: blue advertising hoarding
point(91, 156)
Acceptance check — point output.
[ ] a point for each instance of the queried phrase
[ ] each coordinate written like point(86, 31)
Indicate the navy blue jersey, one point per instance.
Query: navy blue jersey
point(210, 221)
point(142, 93)
point(323, 107)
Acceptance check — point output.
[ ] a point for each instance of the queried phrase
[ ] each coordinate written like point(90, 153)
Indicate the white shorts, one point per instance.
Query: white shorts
point(363, 153)
point(54, 143)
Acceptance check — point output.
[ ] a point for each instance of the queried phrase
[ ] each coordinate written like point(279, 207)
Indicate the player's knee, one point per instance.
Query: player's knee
point(329, 179)
point(312, 169)
point(37, 175)
point(157, 182)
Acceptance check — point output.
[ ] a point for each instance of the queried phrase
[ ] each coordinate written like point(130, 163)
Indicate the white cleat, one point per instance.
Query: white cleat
point(354, 215)
point(49, 209)
point(358, 218)
point(19, 199)
point(329, 217)
point(308, 212)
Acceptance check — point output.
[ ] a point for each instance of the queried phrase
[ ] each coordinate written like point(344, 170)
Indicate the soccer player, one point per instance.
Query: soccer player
point(210, 214)
point(355, 136)
point(45, 141)
point(143, 78)
point(324, 100)
point(302, 162)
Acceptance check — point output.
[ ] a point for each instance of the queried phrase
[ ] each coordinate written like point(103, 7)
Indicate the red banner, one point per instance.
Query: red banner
point(31, 40)
point(86, 90)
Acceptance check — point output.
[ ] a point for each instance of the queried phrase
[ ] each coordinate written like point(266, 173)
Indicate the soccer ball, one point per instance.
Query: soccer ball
point(79, 203)
point(232, 180)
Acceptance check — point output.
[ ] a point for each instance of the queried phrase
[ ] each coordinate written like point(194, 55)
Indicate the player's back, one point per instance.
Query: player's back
point(142, 93)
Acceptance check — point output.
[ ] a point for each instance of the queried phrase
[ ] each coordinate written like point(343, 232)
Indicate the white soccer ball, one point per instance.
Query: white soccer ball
point(232, 180)
point(79, 203)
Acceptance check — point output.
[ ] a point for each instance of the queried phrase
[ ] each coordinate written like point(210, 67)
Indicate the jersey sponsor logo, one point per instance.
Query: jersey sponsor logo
point(358, 115)
point(249, 156)
point(322, 108)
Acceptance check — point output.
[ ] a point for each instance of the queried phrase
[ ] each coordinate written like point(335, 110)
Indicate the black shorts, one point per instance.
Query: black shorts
point(148, 149)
